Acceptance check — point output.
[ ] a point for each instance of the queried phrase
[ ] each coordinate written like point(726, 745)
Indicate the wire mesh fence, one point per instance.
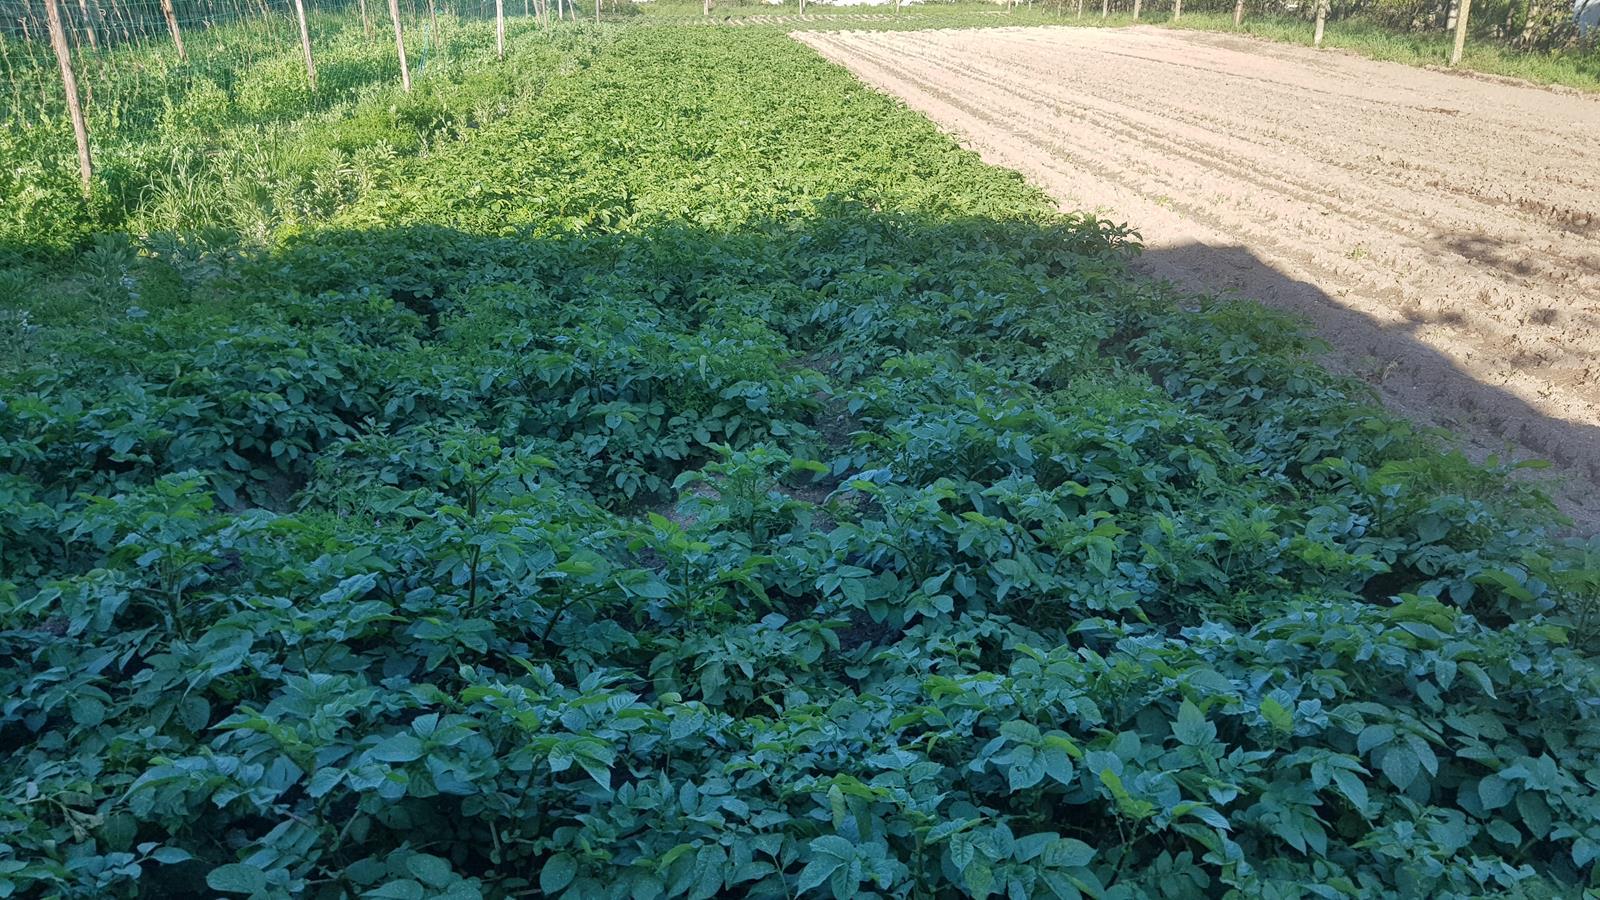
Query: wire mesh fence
point(121, 94)
point(120, 49)
point(180, 114)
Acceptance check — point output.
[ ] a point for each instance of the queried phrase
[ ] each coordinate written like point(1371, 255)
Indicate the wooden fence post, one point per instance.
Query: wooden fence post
point(1238, 13)
point(11, 75)
point(1136, 6)
point(305, 44)
point(91, 22)
point(500, 29)
point(1177, 10)
point(1322, 21)
point(1461, 32)
point(400, 44)
point(172, 26)
point(366, 23)
point(69, 82)
point(1105, 8)
point(597, 12)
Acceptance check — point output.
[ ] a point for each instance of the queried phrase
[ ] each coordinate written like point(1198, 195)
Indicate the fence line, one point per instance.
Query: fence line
point(93, 63)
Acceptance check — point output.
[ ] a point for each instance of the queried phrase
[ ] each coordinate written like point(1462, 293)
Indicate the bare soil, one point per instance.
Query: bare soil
point(1442, 232)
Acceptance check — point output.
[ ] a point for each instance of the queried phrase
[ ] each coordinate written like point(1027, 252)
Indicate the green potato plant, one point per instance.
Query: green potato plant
point(701, 478)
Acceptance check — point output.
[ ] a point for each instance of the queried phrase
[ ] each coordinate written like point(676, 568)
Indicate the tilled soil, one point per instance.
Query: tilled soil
point(1441, 231)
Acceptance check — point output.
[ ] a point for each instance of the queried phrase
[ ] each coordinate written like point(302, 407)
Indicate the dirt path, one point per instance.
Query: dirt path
point(1442, 232)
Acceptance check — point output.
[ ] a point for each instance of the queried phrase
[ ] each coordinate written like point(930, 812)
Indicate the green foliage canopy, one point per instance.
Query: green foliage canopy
point(704, 479)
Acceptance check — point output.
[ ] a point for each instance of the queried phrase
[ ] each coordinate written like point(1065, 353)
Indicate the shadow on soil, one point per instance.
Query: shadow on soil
point(1413, 379)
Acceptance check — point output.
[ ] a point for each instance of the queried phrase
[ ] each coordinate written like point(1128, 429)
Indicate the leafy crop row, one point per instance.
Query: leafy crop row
point(704, 479)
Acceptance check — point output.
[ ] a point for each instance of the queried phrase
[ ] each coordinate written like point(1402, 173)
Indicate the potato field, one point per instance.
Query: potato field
point(656, 465)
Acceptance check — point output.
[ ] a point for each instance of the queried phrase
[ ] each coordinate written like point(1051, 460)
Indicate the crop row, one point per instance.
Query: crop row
point(702, 478)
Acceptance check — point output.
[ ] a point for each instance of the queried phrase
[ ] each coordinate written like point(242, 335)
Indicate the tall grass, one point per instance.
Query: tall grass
point(234, 140)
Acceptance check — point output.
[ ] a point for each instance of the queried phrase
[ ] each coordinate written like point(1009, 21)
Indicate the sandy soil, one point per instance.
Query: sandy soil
point(1441, 231)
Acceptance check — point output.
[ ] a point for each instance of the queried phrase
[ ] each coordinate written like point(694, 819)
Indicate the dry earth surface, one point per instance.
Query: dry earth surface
point(1442, 232)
